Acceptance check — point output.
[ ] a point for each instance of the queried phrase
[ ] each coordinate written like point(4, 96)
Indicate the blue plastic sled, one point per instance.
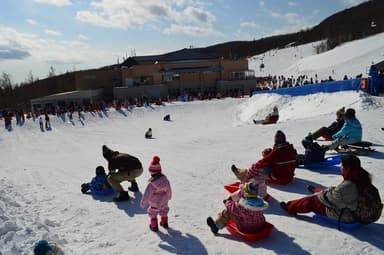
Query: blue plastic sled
point(102, 193)
point(328, 161)
point(335, 223)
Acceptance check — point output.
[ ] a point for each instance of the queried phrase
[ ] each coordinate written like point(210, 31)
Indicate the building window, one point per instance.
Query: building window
point(174, 92)
point(176, 77)
point(242, 75)
point(166, 77)
point(143, 80)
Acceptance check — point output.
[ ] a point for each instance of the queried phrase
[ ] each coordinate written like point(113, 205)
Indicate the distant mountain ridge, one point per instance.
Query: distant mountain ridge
point(350, 24)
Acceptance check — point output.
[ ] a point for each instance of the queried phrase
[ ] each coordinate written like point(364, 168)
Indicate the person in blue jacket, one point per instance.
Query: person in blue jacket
point(351, 132)
point(98, 183)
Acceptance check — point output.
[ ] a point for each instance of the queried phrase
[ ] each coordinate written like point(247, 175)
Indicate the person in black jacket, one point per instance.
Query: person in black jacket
point(128, 168)
point(167, 117)
point(332, 129)
point(313, 153)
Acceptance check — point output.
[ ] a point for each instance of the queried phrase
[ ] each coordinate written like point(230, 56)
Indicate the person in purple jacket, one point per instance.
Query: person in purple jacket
point(157, 195)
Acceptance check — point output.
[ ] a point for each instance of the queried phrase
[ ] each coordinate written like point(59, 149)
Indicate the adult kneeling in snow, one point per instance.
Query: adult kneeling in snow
point(128, 168)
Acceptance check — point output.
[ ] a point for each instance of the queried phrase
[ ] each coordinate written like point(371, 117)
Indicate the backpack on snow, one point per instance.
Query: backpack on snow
point(369, 206)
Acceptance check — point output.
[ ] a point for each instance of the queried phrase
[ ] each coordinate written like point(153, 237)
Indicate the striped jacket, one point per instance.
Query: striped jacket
point(247, 215)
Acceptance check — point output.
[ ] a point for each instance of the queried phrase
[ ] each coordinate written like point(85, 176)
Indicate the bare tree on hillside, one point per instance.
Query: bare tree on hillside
point(30, 78)
point(5, 81)
point(52, 72)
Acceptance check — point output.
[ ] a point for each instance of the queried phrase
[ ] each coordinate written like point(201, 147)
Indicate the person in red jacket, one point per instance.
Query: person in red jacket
point(280, 162)
point(278, 166)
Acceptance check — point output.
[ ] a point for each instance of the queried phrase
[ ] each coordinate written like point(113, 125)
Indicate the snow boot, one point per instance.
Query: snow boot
point(134, 187)
point(234, 169)
point(309, 137)
point(164, 222)
point(153, 226)
point(211, 223)
point(284, 205)
point(84, 187)
point(123, 196)
point(311, 188)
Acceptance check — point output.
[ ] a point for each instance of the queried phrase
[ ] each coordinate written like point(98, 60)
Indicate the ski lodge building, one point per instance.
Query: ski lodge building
point(187, 71)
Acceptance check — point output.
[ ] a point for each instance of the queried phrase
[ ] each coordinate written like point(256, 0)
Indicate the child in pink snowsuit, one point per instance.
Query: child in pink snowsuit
point(156, 195)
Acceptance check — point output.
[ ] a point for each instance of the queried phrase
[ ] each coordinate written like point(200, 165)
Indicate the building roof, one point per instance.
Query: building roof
point(175, 56)
point(69, 95)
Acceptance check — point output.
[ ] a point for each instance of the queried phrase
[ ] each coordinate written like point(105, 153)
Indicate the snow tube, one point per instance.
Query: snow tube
point(334, 222)
point(328, 161)
point(232, 228)
point(327, 138)
point(102, 193)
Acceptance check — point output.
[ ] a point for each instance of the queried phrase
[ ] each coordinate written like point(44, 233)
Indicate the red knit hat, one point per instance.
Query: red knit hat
point(155, 166)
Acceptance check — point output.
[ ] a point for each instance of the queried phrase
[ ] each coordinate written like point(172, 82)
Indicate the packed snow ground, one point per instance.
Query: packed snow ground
point(41, 174)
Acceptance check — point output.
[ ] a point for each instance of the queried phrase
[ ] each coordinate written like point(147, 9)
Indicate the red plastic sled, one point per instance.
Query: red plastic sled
point(232, 228)
point(232, 187)
point(327, 138)
point(267, 122)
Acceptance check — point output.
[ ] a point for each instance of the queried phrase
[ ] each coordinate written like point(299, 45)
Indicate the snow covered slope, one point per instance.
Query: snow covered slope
point(41, 174)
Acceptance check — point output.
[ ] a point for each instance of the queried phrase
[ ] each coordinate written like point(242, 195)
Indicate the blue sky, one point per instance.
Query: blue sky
point(68, 35)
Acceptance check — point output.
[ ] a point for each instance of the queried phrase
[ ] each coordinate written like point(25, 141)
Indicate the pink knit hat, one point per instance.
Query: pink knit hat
point(155, 166)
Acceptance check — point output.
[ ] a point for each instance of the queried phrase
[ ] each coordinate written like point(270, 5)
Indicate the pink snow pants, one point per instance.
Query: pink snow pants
point(154, 211)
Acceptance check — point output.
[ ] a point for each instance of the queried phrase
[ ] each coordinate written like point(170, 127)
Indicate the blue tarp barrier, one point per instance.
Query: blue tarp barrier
point(376, 83)
point(325, 87)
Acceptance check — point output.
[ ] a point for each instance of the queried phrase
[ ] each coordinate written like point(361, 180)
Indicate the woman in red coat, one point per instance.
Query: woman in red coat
point(279, 165)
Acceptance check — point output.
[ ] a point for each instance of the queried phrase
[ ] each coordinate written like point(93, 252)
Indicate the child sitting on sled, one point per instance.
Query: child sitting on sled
point(247, 175)
point(98, 183)
point(243, 207)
